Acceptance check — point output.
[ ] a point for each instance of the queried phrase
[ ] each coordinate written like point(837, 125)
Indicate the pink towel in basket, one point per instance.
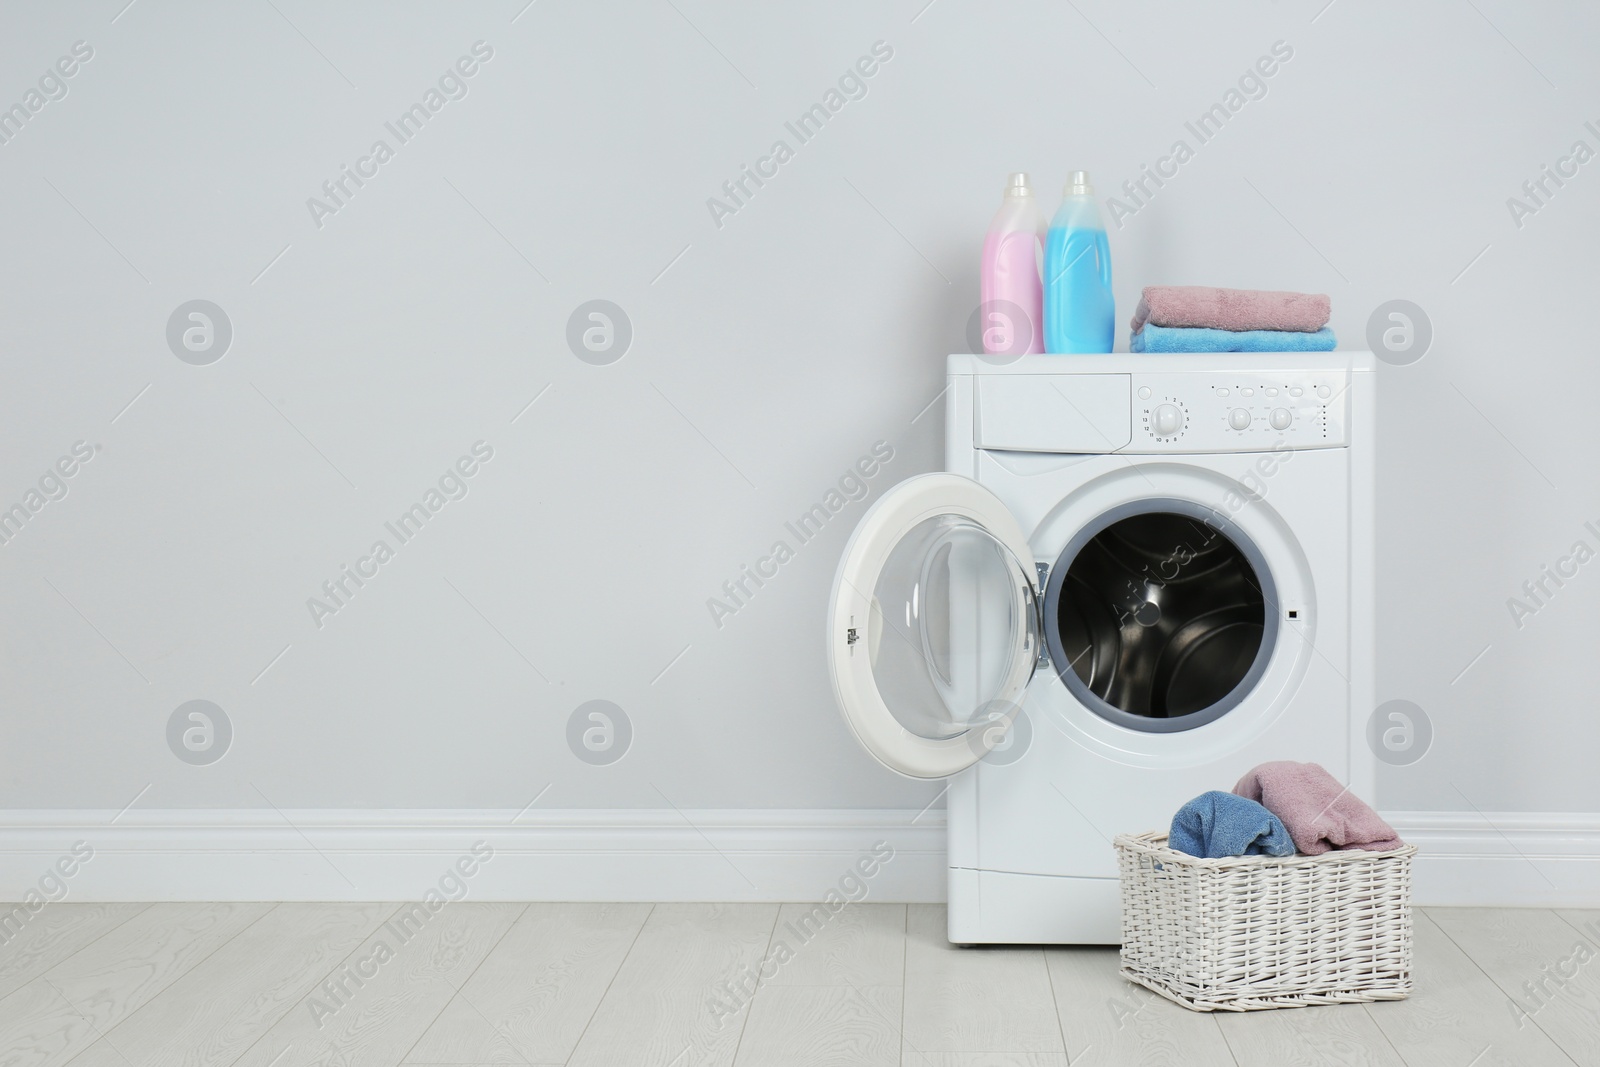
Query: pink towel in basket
point(1320, 814)
point(1230, 309)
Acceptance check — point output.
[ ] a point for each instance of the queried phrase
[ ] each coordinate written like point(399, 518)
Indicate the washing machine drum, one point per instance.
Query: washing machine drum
point(1160, 616)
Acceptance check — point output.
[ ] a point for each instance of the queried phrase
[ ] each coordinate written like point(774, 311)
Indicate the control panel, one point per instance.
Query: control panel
point(1239, 412)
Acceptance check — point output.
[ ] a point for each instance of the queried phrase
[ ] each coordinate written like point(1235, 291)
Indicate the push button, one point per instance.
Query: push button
point(1247, 391)
point(1144, 392)
point(1295, 390)
point(1324, 392)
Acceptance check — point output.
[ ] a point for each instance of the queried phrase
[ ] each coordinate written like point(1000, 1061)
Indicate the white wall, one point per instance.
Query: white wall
point(768, 354)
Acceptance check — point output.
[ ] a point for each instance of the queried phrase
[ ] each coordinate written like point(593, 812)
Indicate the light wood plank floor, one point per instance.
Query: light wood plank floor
point(734, 985)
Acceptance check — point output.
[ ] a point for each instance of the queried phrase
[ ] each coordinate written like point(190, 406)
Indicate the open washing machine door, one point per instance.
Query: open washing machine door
point(934, 626)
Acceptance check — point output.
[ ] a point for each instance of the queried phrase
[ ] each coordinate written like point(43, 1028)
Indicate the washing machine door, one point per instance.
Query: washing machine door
point(933, 628)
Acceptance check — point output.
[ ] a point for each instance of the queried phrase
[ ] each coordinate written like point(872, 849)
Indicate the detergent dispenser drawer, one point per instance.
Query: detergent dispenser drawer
point(1077, 413)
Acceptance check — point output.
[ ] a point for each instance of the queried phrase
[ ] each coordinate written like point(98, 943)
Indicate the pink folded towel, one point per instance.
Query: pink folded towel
point(1321, 815)
point(1231, 309)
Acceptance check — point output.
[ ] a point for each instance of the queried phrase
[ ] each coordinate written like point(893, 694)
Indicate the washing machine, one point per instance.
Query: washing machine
point(1139, 577)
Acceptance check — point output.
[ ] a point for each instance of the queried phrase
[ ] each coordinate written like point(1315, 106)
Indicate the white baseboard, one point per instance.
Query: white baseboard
point(1466, 858)
point(1503, 859)
point(611, 854)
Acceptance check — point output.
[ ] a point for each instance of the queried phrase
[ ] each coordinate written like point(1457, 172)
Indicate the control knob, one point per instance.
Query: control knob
point(1166, 420)
point(1239, 419)
point(1281, 418)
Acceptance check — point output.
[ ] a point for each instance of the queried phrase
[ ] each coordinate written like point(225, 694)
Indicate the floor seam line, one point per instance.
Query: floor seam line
point(750, 1005)
point(1473, 960)
point(455, 990)
point(607, 992)
point(339, 963)
point(905, 961)
point(1387, 1040)
point(1061, 1025)
point(96, 941)
point(104, 1035)
point(188, 971)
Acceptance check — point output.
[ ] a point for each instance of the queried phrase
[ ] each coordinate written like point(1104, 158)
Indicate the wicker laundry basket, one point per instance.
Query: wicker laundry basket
point(1251, 932)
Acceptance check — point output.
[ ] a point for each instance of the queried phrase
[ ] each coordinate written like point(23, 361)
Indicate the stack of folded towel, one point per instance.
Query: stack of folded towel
point(1276, 810)
point(1197, 318)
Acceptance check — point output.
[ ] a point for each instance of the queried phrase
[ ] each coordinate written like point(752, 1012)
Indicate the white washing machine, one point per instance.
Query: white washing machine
point(1141, 576)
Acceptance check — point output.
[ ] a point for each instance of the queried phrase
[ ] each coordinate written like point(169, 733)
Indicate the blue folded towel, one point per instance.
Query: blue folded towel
point(1202, 339)
point(1217, 824)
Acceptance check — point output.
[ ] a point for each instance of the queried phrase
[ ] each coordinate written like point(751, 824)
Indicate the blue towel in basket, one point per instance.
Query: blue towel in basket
point(1217, 824)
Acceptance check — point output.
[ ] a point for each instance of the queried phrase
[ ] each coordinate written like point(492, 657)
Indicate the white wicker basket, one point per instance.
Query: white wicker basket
point(1250, 932)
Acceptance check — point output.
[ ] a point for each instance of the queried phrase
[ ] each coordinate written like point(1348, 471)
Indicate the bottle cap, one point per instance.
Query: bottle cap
point(1079, 184)
point(1017, 185)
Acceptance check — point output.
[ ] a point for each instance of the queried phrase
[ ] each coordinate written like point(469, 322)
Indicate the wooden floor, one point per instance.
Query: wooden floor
point(636, 985)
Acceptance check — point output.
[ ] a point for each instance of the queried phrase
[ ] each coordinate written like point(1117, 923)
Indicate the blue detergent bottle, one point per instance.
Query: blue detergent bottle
point(1079, 313)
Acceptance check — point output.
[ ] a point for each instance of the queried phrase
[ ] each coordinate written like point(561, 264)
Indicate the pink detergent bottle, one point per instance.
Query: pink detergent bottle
point(1011, 289)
